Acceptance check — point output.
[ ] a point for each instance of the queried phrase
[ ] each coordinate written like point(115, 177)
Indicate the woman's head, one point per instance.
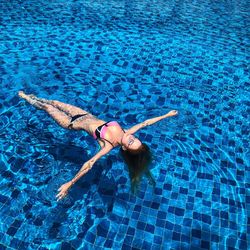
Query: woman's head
point(138, 162)
point(130, 142)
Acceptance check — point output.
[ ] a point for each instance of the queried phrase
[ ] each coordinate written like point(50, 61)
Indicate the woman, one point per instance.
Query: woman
point(108, 134)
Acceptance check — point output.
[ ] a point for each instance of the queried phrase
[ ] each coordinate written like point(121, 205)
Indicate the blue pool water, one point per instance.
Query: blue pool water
point(130, 61)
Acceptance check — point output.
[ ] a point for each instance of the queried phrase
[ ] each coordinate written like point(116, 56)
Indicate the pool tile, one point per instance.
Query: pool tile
point(150, 59)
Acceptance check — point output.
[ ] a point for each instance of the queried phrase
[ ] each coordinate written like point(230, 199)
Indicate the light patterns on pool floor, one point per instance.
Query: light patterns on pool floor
point(149, 58)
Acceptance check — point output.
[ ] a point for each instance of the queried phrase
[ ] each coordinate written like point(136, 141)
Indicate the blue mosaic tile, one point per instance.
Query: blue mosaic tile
point(149, 58)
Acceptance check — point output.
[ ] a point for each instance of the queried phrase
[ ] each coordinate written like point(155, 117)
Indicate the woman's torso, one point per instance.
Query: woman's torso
point(112, 132)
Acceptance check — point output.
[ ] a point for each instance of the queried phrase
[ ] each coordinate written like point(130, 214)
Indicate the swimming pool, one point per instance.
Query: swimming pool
point(126, 60)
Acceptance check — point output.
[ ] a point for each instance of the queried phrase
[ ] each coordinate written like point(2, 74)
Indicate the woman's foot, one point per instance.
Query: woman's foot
point(24, 96)
point(43, 100)
point(21, 94)
point(32, 99)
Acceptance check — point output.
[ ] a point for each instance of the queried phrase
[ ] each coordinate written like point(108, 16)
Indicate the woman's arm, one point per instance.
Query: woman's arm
point(151, 121)
point(63, 190)
point(89, 164)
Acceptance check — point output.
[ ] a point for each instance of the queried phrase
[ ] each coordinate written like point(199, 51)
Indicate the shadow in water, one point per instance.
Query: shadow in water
point(94, 194)
point(69, 153)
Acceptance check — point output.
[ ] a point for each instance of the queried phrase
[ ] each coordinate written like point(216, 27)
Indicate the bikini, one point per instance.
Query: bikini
point(70, 126)
point(101, 131)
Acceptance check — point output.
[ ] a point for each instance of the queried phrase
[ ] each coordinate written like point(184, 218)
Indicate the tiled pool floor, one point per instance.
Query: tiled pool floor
point(130, 61)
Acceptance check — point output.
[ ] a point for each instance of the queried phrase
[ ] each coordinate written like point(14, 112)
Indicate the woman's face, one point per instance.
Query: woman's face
point(130, 142)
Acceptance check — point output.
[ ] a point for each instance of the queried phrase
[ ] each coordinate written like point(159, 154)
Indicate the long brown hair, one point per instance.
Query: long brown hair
point(138, 162)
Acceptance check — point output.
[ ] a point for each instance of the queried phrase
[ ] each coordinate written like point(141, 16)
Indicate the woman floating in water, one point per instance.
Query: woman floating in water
point(108, 134)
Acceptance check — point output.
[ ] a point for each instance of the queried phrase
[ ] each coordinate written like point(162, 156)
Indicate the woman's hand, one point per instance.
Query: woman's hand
point(172, 113)
point(63, 190)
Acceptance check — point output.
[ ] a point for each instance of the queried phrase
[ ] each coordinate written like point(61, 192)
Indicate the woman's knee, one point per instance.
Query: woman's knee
point(50, 109)
point(54, 102)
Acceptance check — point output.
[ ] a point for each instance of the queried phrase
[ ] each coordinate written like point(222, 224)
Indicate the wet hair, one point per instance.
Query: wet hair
point(138, 162)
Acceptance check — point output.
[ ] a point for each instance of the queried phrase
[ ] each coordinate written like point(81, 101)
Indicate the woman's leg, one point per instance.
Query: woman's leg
point(60, 117)
point(33, 102)
point(67, 108)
